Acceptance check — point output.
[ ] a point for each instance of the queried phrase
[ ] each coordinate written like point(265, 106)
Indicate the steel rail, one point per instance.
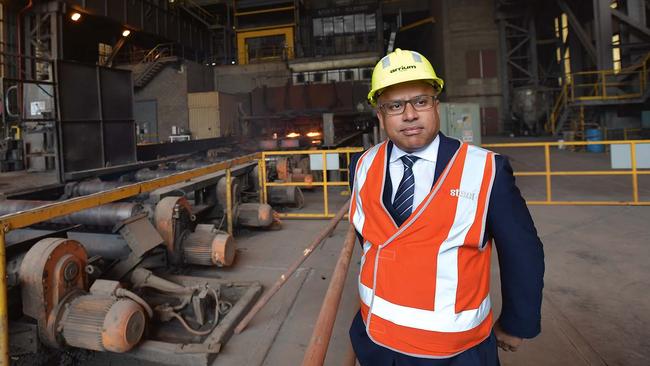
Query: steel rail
point(320, 338)
point(324, 233)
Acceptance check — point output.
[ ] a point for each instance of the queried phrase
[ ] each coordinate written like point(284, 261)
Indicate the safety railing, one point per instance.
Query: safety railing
point(608, 84)
point(322, 156)
point(627, 133)
point(601, 85)
point(548, 173)
point(27, 218)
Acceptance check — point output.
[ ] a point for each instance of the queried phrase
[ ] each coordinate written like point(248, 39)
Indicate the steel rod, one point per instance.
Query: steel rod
point(229, 210)
point(320, 338)
point(4, 321)
point(324, 233)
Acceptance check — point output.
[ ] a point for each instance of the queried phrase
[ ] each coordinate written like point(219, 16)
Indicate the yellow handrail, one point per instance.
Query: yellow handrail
point(325, 183)
point(598, 88)
point(548, 173)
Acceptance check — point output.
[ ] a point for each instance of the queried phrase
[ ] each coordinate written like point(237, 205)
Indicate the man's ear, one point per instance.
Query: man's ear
point(380, 117)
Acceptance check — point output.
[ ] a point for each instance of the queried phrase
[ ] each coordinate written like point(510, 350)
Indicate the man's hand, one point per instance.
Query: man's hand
point(505, 341)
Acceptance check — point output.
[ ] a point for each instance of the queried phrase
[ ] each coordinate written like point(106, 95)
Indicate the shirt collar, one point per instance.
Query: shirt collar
point(430, 152)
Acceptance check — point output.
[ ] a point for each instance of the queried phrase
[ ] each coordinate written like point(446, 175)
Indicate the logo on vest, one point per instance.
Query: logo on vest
point(462, 194)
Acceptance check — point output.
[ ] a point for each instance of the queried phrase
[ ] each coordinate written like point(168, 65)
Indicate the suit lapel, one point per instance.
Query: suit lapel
point(388, 185)
point(446, 151)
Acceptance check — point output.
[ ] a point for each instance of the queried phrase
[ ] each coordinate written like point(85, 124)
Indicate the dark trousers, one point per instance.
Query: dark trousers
point(371, 354)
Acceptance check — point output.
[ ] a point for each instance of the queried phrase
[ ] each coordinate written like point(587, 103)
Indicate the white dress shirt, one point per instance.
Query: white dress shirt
point(423, 170)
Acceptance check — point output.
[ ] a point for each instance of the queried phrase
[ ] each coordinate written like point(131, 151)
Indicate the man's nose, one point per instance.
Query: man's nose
point(409, 113)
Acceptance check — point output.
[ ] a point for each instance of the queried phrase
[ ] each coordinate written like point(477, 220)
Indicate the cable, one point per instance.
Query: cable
point(189, 329)
point(122, 292)
point(217, 311)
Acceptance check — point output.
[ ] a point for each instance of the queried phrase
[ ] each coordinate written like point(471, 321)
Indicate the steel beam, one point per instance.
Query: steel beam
point(532, 51)
point(582, 35)
point(631, 22)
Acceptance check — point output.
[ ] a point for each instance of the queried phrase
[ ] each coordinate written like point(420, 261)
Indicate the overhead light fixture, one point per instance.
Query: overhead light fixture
point(125, 33)
point(293, 134)
point(313, 134)
point(214, 64)
point(232, 62)
point(75, 16)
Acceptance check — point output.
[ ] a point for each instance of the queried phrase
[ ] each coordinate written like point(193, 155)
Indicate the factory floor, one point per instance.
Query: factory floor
point(596, 296)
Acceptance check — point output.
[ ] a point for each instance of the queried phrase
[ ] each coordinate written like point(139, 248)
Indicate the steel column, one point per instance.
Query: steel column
point(603, 34)
point(503, 76)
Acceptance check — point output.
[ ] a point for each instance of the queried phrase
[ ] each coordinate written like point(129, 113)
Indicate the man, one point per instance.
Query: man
point(427, 209)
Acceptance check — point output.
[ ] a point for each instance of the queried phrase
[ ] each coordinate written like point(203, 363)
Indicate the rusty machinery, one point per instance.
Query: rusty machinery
point(117, 316)
point(97, 285)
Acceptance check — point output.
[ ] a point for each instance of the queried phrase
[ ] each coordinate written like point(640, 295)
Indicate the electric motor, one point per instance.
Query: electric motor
point(207, 246)
point(103, 323)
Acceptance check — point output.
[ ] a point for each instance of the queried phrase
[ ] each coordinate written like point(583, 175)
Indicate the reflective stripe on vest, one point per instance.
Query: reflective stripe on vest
point(424, 286)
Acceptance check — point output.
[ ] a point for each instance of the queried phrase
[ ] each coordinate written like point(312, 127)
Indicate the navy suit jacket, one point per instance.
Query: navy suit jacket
point(509, 224)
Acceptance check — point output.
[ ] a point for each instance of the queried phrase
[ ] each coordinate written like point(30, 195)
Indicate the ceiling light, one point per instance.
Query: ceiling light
point(75, 16)
point(126, 33)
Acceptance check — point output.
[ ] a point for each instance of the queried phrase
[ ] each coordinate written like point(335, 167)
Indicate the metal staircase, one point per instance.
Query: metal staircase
point(152, 63)
point(599, 88)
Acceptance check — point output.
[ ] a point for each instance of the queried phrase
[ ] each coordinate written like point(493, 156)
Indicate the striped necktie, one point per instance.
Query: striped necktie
point(403, 201)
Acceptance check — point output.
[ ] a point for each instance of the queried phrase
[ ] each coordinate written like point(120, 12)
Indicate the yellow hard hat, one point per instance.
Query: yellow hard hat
point(401, 66)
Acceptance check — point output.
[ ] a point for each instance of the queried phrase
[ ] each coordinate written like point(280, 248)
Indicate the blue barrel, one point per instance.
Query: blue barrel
point(595, 134)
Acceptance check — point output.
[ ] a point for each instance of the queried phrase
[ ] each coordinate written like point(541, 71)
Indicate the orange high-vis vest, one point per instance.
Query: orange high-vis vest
point(425, 286)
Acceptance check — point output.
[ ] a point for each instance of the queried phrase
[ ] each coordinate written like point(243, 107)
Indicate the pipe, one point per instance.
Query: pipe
point(190, 164)
point(149, 174)
point(20, 55)
point(89, 187)
point(4, 321)
point(320, 338)
point(105, 215)
point(85, 188)
point(285, 276)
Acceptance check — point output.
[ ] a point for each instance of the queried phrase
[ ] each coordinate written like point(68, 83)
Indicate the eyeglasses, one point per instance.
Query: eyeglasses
point(419, 103)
